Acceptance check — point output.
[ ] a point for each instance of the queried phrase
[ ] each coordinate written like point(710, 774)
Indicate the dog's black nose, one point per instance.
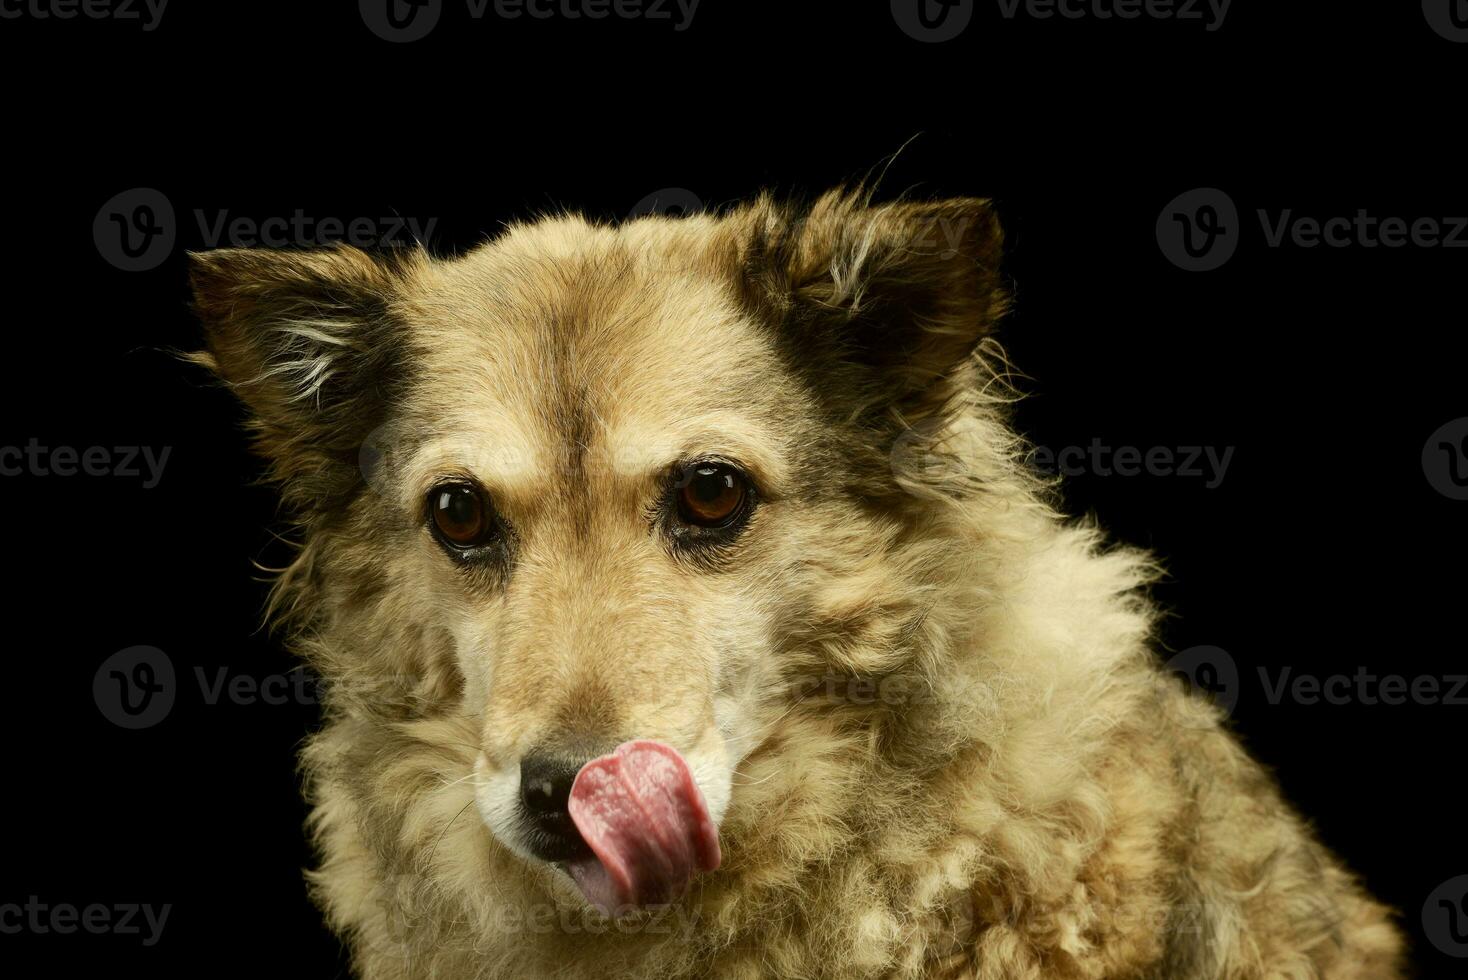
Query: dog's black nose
point(545, 789)
point(545, 783)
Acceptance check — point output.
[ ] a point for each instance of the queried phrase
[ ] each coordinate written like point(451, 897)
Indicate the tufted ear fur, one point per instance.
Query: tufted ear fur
point(887, 301)
point(309, 341)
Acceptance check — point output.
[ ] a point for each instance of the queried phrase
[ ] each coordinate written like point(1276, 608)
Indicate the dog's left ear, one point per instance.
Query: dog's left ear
point(889, 300)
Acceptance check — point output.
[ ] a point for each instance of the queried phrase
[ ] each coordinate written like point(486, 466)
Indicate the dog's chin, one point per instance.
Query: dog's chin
point(548, 872)
point(544, 867)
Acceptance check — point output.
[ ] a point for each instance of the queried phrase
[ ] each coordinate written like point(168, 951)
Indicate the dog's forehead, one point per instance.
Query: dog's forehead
point(570, 339)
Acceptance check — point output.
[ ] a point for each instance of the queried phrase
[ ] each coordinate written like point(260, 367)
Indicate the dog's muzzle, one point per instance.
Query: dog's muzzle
point(631, 827)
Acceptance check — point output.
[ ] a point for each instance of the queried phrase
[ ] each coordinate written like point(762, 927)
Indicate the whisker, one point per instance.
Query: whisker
point(754, 782)
point(434, 849)
point(461, 779)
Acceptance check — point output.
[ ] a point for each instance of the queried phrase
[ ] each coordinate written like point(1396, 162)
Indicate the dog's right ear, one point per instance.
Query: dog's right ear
point(310, 342)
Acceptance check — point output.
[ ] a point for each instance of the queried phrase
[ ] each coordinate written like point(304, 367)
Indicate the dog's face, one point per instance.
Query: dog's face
point(589, 485)
point(598, 470)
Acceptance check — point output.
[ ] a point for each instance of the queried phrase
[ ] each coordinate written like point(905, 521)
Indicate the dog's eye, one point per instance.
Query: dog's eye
point(460, 514)
point(711, 494)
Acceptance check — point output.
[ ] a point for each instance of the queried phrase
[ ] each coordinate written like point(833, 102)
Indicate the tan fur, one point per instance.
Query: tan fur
point(951, 749)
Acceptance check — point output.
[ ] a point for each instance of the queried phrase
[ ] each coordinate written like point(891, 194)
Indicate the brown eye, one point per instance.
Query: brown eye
point(460, 514)
point(711, 495)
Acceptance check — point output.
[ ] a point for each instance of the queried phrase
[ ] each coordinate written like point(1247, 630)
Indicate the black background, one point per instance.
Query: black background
point(1324, 548)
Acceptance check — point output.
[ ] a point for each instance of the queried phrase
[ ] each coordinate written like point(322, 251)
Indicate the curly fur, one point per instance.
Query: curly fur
point(954, 754)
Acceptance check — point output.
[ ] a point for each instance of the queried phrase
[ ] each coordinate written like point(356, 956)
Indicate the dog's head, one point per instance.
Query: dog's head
point(587, 485)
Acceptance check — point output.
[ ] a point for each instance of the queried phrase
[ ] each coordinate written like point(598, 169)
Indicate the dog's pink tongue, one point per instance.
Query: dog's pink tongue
point(646, 821)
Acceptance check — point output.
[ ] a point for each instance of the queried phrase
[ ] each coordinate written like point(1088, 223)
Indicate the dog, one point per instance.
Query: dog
point(686, 608)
